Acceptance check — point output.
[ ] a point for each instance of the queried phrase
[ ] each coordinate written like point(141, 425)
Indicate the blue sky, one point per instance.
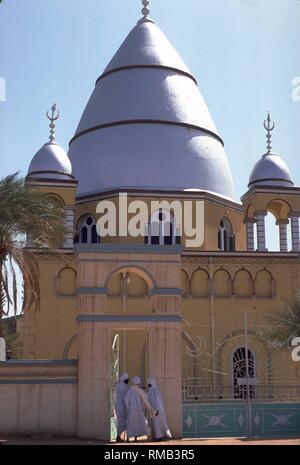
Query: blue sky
point(244, 54)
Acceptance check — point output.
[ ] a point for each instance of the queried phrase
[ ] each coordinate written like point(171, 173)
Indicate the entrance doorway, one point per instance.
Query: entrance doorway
point(130, 354)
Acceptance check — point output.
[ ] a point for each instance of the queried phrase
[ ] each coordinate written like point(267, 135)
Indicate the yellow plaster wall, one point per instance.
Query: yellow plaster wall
point(47, 331)
point(213, 214)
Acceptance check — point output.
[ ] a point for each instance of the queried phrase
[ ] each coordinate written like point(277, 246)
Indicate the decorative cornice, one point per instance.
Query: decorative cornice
point(39, 381)
point(160, 193)
point(243, 259)
point(129, 318)
point(43, 363)
point(128, 248)
point(92, 291)
point(166, 291)
point(254, 190)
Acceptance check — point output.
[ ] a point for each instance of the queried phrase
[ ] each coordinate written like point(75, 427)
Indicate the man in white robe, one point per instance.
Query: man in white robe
point(135, 399)
point(120, 408)
point(159, 424)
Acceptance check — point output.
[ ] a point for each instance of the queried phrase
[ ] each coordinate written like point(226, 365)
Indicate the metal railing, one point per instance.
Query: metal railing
point(192, 391)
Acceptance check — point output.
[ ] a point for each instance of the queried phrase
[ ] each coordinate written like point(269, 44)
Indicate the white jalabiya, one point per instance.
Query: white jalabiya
point(135, 399)
point(120, 406)
point(159, 424)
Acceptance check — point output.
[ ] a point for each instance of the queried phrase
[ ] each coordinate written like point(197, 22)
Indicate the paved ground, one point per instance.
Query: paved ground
point(194, 442)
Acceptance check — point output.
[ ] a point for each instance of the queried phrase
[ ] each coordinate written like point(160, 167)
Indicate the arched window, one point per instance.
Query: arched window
point(162, 229)
point(240, 371)
point(67, 282)
point(226, 239)
point(87, 231)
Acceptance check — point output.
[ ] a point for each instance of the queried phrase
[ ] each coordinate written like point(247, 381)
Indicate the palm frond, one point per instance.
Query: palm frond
point(25, 214)
point(286, 325)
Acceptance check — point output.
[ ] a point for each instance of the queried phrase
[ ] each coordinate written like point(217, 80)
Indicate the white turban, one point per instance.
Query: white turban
point(124, 377)
point(136, 380)
point(151, 381)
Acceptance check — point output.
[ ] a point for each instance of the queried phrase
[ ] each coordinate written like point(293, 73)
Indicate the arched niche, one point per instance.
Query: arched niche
point(66, 282)
point(114, 288)
point(243, 284)
point(128, 283)
point(136, 285)
point(128, 291)
point(264, 284)
point(200, 283)
point(71, 348)
point(222, 284)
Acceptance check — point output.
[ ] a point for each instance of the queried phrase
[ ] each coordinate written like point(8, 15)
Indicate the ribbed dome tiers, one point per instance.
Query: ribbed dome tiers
point(146, 125)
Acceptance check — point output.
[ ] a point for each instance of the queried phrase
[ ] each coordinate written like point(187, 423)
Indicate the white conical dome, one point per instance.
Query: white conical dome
point(270, 170)
point(146, 125)
point(50, 162)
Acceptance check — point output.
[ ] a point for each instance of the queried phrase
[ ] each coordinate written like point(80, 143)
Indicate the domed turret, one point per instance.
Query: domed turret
point(146, 125)
point(51, 161)
point(270, 170)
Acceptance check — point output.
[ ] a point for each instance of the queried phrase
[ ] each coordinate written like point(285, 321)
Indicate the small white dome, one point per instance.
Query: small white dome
point(50, 162)
point(271, 170)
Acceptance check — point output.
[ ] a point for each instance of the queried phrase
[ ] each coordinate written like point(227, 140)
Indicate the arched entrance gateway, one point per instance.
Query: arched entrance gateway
point(146, 318)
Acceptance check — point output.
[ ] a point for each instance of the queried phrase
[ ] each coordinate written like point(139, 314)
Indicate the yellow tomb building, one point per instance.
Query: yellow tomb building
point(195, 317)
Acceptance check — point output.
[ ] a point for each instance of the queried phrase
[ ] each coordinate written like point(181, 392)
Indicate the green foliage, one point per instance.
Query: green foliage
point(286, 326)
point(25, 214)
point(12, 338)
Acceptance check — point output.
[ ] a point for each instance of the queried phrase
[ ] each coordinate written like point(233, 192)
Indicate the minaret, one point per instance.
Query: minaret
point(271, 189)
point(50, 171)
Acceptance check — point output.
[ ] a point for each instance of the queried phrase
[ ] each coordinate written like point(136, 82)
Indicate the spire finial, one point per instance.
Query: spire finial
point(269, 128)
point(54, 117)
point(145, 10)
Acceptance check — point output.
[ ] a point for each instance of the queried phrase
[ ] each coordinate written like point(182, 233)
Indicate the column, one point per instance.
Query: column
point(69, 227)
point(283, 234)
point(165, 365)
point(94, 371)
point(261, 231)
point(295, 231)
point(250, 233)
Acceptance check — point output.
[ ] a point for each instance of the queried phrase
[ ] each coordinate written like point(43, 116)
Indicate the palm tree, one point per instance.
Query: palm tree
point(287, 325)
point(25, 214)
